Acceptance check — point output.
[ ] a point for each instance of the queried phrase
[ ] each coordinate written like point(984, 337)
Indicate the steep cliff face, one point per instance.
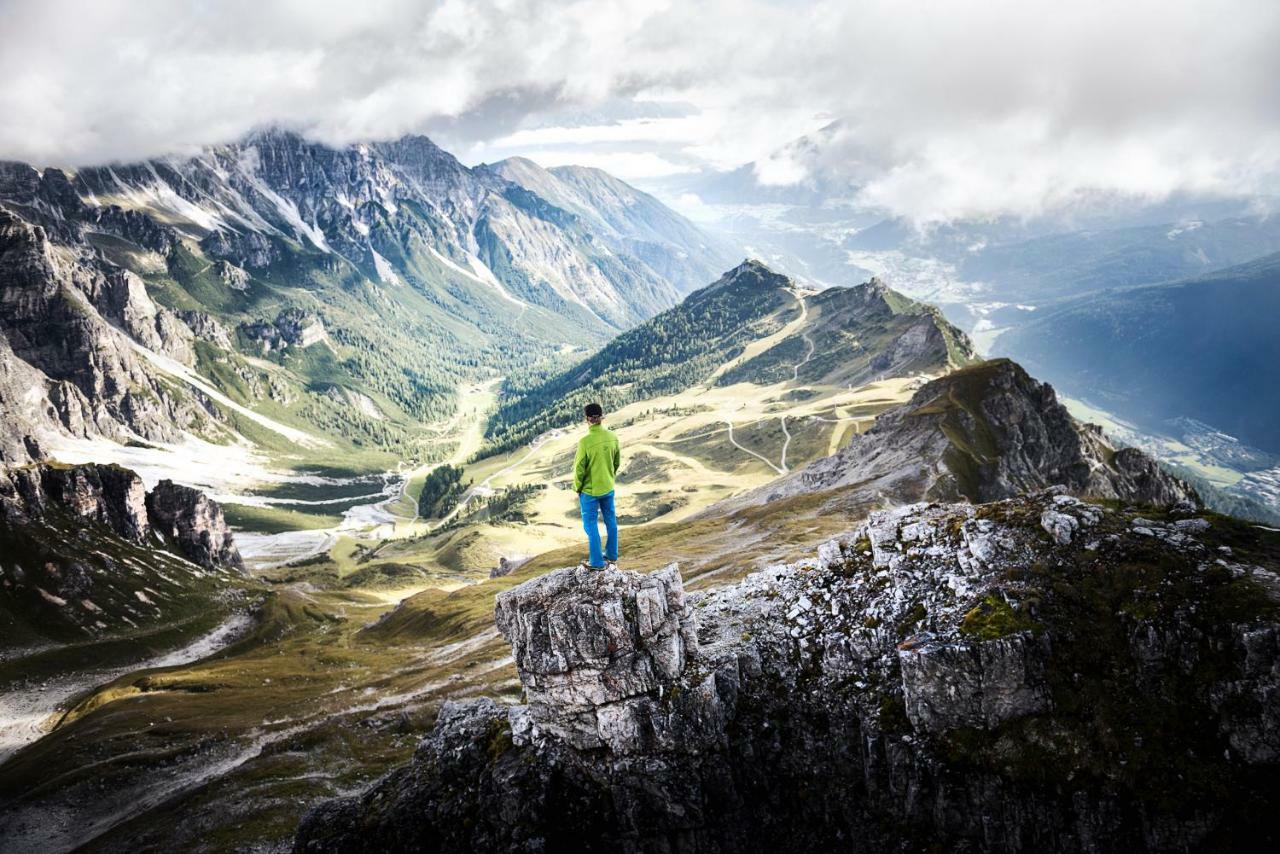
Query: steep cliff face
point(1038, 674)
point(69, 325)
point(986, 432)
point(193, 523)
point(86, 552)
point(114, 498)
point(110, 496)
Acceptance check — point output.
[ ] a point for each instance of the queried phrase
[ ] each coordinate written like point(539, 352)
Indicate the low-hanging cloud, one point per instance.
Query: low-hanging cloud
point(947, 110)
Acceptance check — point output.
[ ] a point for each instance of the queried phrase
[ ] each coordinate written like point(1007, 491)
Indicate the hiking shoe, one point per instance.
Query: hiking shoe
point(611, 565)
point(587, 565)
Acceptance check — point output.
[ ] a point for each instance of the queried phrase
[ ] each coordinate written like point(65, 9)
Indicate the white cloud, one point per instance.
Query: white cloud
point(964, 108)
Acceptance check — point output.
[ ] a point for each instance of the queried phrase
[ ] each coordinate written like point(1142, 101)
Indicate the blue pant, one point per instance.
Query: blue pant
point(594, 506)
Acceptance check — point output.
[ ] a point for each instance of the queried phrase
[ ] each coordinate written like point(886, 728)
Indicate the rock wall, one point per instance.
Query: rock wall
point(194, 523)
point(984, 433)
point(114, 497)
point(67, 364)
point(951, 677)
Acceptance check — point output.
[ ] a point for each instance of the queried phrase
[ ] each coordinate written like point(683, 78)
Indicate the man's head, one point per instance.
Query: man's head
point(594, 413)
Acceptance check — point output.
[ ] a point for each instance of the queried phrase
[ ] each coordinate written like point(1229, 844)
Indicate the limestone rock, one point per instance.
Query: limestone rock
point(591, 645)
point(901, 696)
point(195, 523)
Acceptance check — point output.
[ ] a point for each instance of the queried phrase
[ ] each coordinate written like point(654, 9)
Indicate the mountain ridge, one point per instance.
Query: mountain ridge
point(411, 264)
point(878, 332)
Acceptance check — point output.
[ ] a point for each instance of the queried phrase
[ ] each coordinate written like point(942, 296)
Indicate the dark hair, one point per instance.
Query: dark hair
point(593, 410)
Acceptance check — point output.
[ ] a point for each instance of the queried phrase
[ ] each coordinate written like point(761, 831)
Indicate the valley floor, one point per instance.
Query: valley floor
point(358, 637)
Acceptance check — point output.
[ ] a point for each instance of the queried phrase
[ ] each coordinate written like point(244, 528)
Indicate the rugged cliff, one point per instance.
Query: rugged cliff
point(983, 433)
point(85, 550)
point(1037, 674)
point(68, 362)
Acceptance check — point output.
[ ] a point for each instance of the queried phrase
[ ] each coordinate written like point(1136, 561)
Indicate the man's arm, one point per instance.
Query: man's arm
point(617, 457)
point(579, 469)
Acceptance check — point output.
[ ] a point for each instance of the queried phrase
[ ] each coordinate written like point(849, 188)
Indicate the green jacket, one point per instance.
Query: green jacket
point(597, 461)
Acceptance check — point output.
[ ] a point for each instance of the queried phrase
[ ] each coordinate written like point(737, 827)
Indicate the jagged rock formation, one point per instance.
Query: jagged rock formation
point(114, 497)
point(194, 523)
point(593, 648)
point(107, 495)
point(292, 327)
point(67, 325)
point(950, 676)
point(982, 433)
point(85, 552)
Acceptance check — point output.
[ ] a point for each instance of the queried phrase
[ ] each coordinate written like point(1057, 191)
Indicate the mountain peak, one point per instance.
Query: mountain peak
point(754, 274)
point(985, 432)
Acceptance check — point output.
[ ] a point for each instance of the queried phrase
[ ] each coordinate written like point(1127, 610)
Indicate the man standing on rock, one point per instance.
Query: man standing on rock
point(594, 468)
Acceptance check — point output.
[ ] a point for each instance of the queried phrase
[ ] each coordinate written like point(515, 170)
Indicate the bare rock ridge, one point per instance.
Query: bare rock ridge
point(1035, 674)
point(186, 519)
point(983, 433)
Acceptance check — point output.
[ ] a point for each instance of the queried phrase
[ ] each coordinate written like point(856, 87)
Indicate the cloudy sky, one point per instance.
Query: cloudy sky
point(943, 109)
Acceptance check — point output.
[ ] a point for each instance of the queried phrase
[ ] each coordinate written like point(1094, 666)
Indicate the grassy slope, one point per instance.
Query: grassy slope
point(849, 330)
point(666, 354)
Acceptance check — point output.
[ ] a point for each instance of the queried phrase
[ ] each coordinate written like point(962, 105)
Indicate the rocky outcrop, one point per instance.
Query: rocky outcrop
point(241, 250)
point(506, 566)
point(949, 676)
point(292, 327)
point(593, 649)
point(982, 433)
point(194, 523)
point(107, 495)
point(207, 328)
point(257, 202)
point(29, 414)
point(115, 498)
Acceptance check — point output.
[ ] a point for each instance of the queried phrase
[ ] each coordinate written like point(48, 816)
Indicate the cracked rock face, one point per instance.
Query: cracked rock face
point(68, 364)
point(114, 497)
point(948, 675)
point(108, 495)
point(591, 647)
point(195, 524)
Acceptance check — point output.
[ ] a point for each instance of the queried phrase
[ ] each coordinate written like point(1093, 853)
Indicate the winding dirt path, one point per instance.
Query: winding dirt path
point(760, 346)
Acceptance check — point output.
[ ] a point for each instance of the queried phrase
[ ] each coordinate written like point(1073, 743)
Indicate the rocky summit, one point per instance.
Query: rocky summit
point(985, 432)
point(1034, 674)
